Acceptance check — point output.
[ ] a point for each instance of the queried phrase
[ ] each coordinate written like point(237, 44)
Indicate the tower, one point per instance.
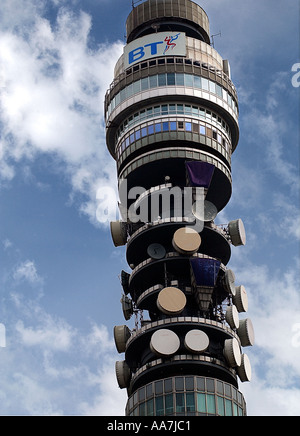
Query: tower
point(172, 126)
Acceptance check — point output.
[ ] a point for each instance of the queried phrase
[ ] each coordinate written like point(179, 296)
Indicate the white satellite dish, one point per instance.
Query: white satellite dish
point(232, 352)
point(118, 233)
point(123, 374)
point(237, 232)
point(156, 251)
point(204, 211)
point(246, 332)
point(232, 317)
point(229, 279)
point(121, 336)
point(196, 341)
point(164, 342)
point(171, 301)
point(240, 299)
point(186, 241)
point(244, 371)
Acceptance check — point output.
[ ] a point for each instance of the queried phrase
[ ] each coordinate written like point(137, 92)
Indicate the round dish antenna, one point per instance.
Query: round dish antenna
point(186, 241)
point(196, 341)
point(244, 371)
point(236, 230)
point(246, 332)
point(232, 352)
point(121, 336)
point(164, 342)
point(232, 317)
point(156, 251)
point(240, 299)
point(171, 301)
point(206, 211)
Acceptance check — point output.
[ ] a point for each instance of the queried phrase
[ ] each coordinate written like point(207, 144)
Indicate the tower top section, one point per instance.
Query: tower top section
point(168, 15)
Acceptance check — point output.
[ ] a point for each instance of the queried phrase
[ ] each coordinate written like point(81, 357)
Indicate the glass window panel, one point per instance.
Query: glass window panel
point(235, 409)
point(202, 130)
point(150, 408)
point(188, 79)
point(195, 111)
point(159, 387)
point(228, 408)
point(168, 385)
point(172, 108)
point(190, 402)
point(180, 403)
point(179, 384)
point(210, 385)
point(173, 125)
point(149, 112)
point(195, 128)
point(131, 138)
point(212, 87)
point(137, 134)
point(156, 110)
point(144, 83)
point(197, 82)
point(219, 90)
point(127, 142)
point(136, 86)
point(220, 402)
point(204, 84)
point(240, 411)
point(220, 387)
point(187, 109)
point(161, 80)
point(149, 391)
point(141, 394)
point(219, 138)
point(188, 127)
point(202, 113)
point(142, 409)
point(169, 404)
point(157, 128)
point(130, 90)
point(159, 405)
point(164, 109)
point(165, 127)
point(153, 81)
point(201, 403)
point(179, 79)
point(200, 384)
point(171, 79)
point(151, 129)
point(144, 132)
point(211, 405)
point(180, 109)
point(189, 383)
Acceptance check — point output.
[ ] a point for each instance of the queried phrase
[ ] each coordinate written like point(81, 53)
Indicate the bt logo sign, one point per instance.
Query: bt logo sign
point(158, 44)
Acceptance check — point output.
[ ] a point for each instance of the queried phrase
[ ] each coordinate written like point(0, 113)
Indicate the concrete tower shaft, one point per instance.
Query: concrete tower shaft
point(172, 125)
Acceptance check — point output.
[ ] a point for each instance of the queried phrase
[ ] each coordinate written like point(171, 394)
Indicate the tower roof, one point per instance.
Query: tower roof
point(164, 15)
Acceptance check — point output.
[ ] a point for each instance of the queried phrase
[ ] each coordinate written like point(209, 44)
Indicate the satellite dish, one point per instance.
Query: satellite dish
point(246, 332)
point(204, 212)
point(237, 232)
point(240, 299)
point(232, 317)
point(186, 241)
point(228, 281)
point(164, 342)
point(118, 233)
point(121, 336)
point(196, 341)
point(123, 374)
point(232, 352)
point(156, 251)
point(127, 307)
point(171, 301)
point(125, 281)
point(244, 371)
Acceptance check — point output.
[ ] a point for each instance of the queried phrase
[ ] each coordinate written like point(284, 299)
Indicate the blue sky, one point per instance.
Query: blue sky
point(59, 287)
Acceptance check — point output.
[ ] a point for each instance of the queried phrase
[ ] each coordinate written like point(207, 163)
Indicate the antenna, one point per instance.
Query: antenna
point(135, 2)
point(212, 38)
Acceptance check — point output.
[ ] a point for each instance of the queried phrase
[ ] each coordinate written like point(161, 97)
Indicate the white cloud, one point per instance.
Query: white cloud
point(53, 87)
point(27, 271)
